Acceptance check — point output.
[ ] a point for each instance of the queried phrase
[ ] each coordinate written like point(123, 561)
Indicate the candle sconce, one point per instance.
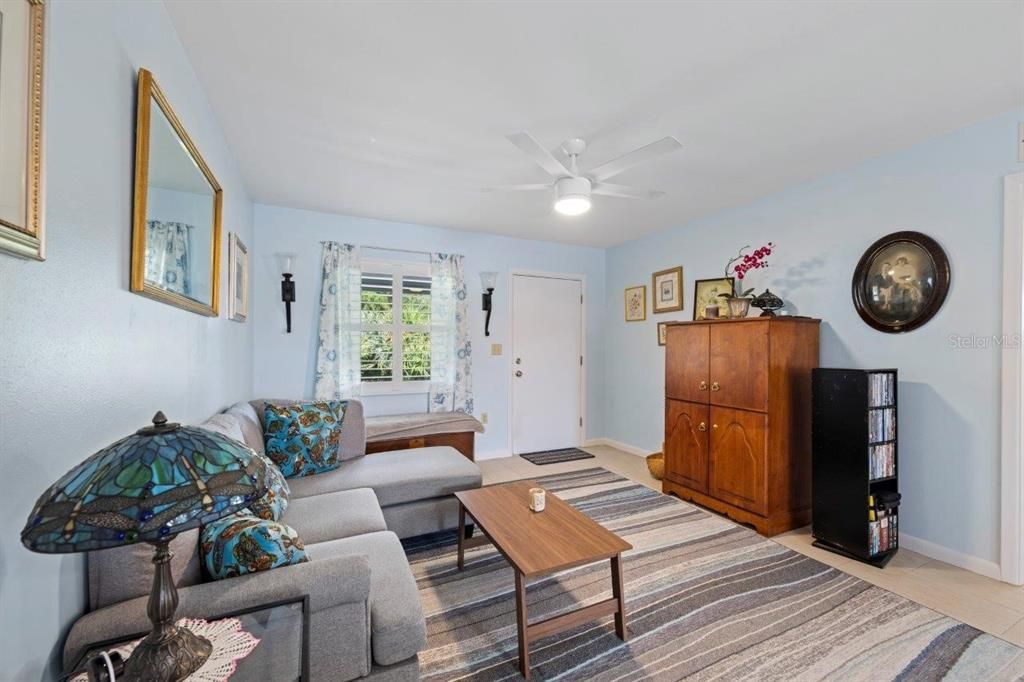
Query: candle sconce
point(487, 281)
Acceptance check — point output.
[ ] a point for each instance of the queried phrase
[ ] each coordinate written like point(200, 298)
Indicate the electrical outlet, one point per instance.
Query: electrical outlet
point(483, 417)
point(495, 349)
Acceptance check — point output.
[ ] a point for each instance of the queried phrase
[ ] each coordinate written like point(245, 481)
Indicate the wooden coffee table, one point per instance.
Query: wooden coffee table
point(539, 543)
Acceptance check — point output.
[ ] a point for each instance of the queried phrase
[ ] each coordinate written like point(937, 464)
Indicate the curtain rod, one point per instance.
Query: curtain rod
point(389, 248)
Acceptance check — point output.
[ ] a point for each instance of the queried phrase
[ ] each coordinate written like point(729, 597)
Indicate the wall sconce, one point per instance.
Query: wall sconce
point(487, 280)
point(287, 261)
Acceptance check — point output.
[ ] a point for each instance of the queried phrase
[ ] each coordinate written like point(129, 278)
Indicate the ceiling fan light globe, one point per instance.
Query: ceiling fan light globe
point(573, 204)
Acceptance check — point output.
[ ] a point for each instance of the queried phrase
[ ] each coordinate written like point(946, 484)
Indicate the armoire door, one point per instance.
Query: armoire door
point(686, 362)
point(738, 373)
point(686, 444)
point(738, 457)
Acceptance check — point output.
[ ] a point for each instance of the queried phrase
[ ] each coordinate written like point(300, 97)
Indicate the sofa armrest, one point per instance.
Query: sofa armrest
point(338, 589)
point(352, 441)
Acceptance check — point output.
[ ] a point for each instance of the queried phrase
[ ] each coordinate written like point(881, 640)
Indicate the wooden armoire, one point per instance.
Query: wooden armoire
point(738, 417)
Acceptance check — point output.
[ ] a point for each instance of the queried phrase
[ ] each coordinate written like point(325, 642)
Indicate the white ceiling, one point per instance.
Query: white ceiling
point(399, 110)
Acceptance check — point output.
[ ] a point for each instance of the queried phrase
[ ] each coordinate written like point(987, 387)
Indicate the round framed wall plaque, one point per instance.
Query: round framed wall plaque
point(901, 281)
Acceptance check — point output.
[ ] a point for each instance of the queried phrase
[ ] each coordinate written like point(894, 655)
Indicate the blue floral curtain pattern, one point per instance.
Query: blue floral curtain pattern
point(168, 251)
point(451, 351)
point(337, 354)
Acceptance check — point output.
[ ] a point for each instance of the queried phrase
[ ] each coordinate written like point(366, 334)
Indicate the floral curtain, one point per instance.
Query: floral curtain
point(337, 354)
point(168, 249)
point(451, 351)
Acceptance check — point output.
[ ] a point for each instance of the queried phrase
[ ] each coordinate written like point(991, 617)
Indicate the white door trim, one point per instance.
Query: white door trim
point(1011, 552)
point(582, 279)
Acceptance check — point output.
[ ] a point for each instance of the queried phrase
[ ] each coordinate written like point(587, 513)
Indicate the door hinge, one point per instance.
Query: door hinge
point(581, 299)
point(581, 361)
point(581, 421)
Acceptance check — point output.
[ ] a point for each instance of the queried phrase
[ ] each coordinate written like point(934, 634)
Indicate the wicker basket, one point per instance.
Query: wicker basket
point(656, 465)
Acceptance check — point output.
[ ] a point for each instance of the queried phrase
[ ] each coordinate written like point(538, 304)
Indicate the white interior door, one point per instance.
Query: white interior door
point(547, 372)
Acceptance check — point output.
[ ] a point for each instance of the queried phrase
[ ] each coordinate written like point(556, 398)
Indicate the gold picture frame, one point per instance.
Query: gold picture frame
point(708, 292)
point(667, 290)
point(22, 226)
point(636, 303)
point(238, 279)
point(148, 94)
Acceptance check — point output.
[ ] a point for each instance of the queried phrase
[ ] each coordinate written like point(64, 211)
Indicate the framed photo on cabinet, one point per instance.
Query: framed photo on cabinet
point(667, 290)
point(707, 298)
point(636, 303)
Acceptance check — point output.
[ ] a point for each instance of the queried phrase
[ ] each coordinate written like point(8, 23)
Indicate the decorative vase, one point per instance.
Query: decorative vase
point(738, 307)
point(767, 302)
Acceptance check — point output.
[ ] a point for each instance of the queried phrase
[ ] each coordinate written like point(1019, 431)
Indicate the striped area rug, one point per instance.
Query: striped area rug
point(556, 456)
point(706, 600)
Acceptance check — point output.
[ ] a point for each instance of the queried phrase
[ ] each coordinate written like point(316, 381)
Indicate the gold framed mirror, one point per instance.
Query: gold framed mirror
point(177, 215)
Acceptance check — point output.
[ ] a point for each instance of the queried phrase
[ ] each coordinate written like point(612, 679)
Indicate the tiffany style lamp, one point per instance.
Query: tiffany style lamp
point(161, 480)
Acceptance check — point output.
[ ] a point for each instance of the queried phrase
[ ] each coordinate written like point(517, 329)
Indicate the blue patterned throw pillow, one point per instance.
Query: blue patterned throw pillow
point(302, 439)
point(240, 544)
point(271, 506)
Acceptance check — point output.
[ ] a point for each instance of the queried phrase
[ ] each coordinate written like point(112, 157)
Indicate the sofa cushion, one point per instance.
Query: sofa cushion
point(226, 425)
point(397, 476)
point(122, 573)
point(336, 515)
point(302, 439)
point(397, 627)
point(387, 427)
point(352, 442)
point(250, 423)
point(272, 505)
point(242, 543)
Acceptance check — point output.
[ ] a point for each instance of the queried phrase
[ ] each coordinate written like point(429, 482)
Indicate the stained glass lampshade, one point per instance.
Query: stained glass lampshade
point(161, 480)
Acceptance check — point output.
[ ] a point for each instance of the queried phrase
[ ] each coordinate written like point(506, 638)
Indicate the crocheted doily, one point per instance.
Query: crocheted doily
point(230, 644)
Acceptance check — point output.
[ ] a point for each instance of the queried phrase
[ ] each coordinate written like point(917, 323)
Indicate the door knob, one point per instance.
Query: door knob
point(519, 361)
point(519, 372)
point(702, 427)
point(715, 386)
point(703, 386)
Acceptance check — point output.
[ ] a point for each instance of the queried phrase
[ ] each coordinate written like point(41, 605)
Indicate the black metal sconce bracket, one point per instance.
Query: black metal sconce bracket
point(288, 296)
point(487, 307)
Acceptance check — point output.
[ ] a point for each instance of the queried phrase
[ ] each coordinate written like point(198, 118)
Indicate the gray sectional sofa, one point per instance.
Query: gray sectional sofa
point(365, 615)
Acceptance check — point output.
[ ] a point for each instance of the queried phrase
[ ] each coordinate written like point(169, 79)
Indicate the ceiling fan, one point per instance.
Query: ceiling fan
point(573, 188)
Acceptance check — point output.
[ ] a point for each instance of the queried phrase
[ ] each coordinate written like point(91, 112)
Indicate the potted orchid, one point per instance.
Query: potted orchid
point(738, 267)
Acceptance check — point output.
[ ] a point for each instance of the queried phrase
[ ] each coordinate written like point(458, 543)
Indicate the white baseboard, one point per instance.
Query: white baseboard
point(989, 569)
point(625, 447)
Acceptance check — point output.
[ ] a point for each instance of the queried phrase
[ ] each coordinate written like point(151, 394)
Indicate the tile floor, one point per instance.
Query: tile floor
point(989, 605)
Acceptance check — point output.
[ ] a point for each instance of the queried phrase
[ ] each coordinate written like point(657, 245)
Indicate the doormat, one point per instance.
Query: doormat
point(556, 456)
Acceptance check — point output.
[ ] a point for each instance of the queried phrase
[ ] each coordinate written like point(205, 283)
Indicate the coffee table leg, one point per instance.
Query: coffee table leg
point(462, 535)
point(524, 643)
point(617, 593)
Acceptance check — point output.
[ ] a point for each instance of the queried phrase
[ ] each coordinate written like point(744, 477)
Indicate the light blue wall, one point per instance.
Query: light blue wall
point(84, 360)
point(949, 188)
point(284, 362)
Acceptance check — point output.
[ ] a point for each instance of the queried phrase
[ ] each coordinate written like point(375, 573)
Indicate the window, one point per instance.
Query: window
point(395, 334)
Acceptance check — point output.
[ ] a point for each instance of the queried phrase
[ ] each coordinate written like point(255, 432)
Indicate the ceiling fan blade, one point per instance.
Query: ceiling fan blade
point(516, 188)
point(542, 157)
point(637, 156)
point(610, 190)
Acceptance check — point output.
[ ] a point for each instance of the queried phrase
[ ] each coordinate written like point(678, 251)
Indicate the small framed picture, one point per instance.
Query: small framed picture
point(238, 279)
point(636, 303)
point(707, 294)
point(667, 287)
point(662, 333)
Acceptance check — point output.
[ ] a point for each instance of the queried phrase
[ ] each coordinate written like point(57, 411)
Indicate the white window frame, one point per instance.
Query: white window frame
point(397, 270)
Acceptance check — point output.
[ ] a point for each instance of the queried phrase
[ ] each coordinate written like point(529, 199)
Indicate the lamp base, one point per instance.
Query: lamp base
point(170, 657)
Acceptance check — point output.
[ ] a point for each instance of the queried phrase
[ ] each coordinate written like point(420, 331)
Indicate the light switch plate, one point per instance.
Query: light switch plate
point(495, 349)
